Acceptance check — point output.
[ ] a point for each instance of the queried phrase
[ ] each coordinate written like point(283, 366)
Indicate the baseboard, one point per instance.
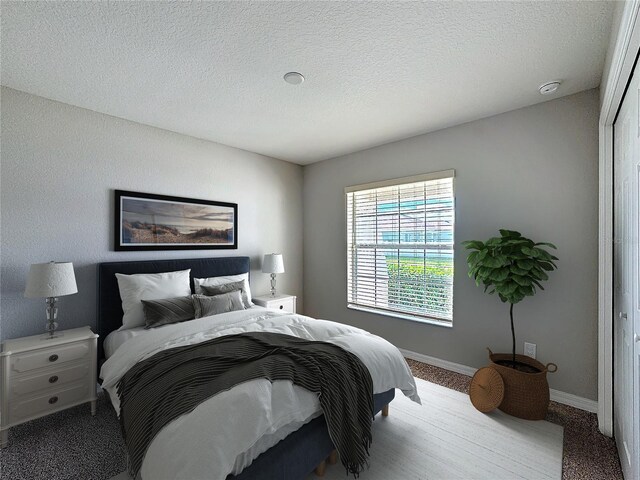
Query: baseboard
point(574, 400)
point(556, 395)
point(438, 362)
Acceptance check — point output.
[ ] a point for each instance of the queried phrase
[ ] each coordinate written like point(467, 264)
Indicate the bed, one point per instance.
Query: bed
point(301, 451)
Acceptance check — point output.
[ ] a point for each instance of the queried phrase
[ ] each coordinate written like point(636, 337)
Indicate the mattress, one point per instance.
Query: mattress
point(185, 448)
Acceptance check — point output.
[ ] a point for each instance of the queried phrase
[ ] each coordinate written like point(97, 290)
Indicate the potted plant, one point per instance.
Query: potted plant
point(514, 267)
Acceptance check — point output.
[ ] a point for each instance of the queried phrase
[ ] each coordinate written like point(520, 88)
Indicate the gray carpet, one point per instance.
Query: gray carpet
point(68, 445)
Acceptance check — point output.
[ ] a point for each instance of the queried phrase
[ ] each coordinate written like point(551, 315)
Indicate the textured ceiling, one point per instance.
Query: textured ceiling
point(375, 72)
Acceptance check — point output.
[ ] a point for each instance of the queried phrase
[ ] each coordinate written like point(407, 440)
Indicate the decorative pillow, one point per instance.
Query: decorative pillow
point(226, 288)
point(168, 310)
point(148, 286)
point(227, 302)
point(198, 283)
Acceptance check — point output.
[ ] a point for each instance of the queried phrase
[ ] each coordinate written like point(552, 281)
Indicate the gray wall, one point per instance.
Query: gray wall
point(59, 166)
point(534, 170)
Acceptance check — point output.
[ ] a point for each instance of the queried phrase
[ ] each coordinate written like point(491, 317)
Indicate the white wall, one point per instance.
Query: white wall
point(534, 170)
point(59, 166)
point(616, 23)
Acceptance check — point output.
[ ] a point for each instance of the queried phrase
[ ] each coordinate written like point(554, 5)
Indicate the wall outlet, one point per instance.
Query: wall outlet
point(530, 349)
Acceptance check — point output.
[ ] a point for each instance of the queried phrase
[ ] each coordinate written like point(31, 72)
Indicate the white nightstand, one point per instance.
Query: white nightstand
point(40, 376)
point(286, 303)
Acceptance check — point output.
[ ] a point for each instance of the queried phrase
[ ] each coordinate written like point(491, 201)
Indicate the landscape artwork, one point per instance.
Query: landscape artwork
point(158, 222)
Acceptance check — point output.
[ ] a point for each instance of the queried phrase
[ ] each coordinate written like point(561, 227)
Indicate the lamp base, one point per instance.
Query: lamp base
point(273, 284)
point(52, 314)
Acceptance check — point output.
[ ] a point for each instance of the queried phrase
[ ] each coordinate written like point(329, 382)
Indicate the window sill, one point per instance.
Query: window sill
point(403, 316)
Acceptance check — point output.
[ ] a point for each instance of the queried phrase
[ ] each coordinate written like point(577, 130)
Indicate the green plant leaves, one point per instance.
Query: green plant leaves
point(544, 255)
point(485, 272)
point(538, 284)
point(539, 274)
point(493, 242)
point(517, 271)
point(511, 265)
point(507, 288)
point(532, 252)
point(525, 264)
point(528, 290)
point(547, 244)
point(518, 241)
point(493, 262)
point(524, 281)
point(499, 275)
point(473, 244)
point(509, 233)
point(548, 266)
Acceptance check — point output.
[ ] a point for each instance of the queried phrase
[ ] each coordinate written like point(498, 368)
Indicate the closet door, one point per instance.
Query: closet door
point(626, 285)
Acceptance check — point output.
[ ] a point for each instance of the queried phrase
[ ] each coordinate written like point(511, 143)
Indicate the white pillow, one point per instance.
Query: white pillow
point(213, 281)
point(148, 286)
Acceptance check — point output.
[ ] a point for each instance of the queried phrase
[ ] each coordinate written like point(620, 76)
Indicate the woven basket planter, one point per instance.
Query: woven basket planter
point(526, 395)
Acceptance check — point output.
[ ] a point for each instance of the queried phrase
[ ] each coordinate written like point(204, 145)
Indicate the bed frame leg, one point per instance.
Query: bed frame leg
point(385, 410)
point(333, 457)
point(320, 469)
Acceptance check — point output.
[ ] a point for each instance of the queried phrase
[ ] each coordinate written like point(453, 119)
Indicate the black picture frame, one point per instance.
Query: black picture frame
point(135, 222)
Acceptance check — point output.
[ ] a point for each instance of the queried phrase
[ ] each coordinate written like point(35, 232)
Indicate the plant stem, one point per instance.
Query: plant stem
point(513, 337)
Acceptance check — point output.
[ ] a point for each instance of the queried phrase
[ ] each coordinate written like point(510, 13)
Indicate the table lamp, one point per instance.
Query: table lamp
point(272, 263)
point(51, 280)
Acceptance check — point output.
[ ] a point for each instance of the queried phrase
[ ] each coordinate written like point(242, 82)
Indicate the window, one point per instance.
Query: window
point(400, 247)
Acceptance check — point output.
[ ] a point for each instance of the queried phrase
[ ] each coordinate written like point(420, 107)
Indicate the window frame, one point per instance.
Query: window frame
point(444, 174)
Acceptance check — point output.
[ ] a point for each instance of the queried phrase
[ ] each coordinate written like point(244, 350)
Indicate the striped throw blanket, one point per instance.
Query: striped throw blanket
point(174, 382)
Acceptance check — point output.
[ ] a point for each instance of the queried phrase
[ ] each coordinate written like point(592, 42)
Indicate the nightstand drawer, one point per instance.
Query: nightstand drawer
point(22, 385)
point(285, 305)
point(22, 408)
point(24, 362)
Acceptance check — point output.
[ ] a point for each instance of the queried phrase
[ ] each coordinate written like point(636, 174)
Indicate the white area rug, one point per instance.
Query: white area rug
point(446, 438)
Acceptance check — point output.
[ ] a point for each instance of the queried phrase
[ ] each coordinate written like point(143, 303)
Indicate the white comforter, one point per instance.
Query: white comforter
point(226, 432)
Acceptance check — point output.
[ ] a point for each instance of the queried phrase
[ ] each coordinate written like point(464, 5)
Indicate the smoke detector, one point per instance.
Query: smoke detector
point(294, 78)
point(549, 87)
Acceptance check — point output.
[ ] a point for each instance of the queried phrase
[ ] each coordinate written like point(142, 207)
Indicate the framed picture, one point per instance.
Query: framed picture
point(145, 221)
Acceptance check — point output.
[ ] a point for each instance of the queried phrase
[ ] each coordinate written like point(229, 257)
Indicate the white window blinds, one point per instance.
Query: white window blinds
point(400, 237)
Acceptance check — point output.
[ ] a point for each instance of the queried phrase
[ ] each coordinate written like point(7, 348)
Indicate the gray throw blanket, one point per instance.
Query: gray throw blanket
point(173, 382)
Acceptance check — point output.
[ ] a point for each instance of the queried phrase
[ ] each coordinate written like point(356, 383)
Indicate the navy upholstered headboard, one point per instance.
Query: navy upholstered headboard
point(109, 301)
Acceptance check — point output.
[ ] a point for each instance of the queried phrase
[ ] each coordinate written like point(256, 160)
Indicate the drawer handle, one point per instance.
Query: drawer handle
point(281, 307)
point(53, 400)
point(53, 358)
point(53, 379)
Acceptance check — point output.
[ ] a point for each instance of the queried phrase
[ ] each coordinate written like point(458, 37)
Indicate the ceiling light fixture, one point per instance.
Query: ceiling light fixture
point(549, 87)
point(294, 78)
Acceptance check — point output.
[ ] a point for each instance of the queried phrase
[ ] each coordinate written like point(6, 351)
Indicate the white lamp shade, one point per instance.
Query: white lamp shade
point(51, 280)
point(273, 263)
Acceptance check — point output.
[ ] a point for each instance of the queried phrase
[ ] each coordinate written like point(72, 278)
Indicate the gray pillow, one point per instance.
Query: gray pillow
point(226, 288)
point(167, 310)
point(213, 305)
